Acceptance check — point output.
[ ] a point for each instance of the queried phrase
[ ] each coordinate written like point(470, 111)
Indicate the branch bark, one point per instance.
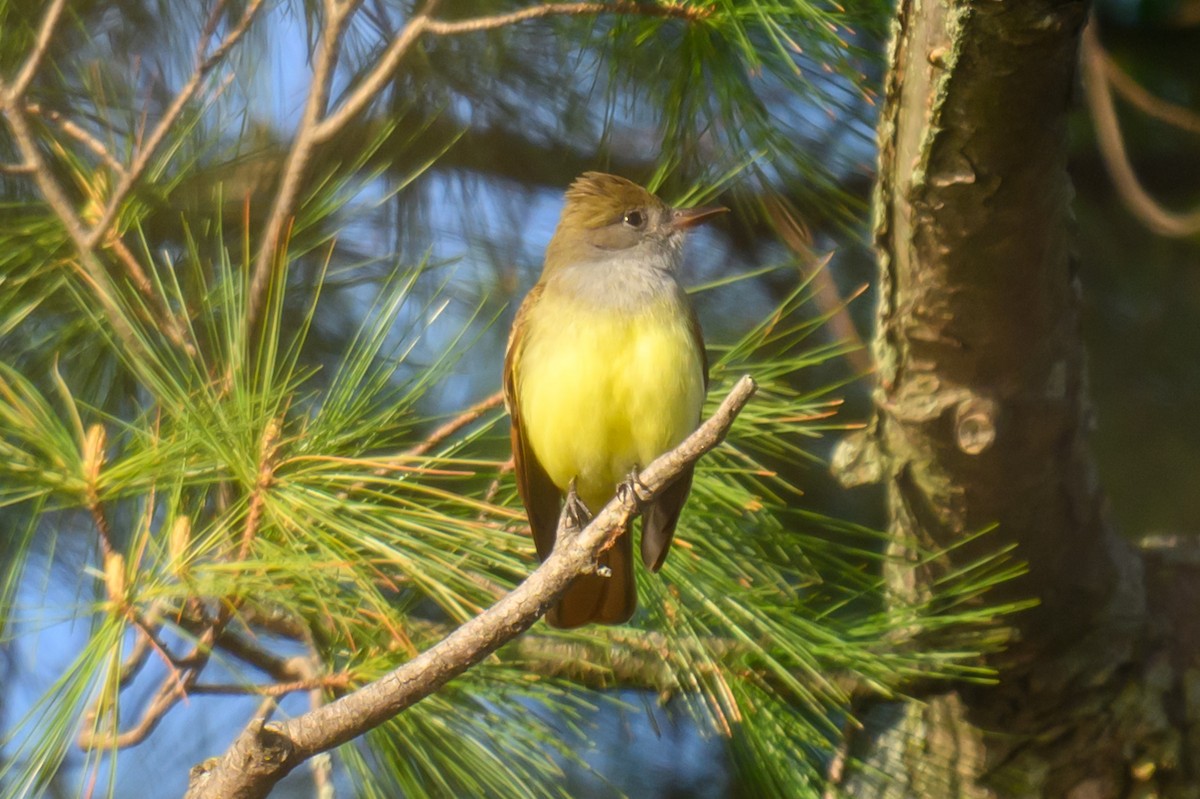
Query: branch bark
point(263, 754)
point(982, 411)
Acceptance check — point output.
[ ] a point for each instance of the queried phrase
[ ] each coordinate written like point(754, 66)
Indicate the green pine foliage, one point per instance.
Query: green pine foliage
point(269, 495)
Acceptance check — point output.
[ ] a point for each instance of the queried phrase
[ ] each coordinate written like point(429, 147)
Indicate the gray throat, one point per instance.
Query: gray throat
point(618, 284)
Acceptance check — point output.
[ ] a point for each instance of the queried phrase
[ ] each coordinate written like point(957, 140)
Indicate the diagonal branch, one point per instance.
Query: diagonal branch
point(92, 270)
point(296, 165)
point(460, 421)
point(80, 135)
point(204, 65)
point(30, 67)
point(264, 754)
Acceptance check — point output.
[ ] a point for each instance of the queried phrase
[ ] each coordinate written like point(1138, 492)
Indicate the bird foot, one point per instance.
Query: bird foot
point(633, 488)
point(575, 515)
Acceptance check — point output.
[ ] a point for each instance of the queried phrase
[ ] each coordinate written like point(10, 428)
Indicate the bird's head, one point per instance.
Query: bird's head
point(607, 217)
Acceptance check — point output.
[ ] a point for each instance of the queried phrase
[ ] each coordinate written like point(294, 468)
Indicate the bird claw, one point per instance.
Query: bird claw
point(575, 515)
point(632, 488)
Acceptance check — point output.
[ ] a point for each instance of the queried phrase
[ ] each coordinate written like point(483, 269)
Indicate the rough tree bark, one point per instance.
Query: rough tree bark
point(981, 419)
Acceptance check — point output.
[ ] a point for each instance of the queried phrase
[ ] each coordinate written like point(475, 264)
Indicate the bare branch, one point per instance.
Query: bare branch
point(52, 192)
point(1112, 148)
point(374, 82)
point(434, 438)
point(264, 754)
point(330, 681)
point(164, 699)
point(786, 220)
point(87, 240)
point(278, 668)
point(494, 487)
point(90, 267)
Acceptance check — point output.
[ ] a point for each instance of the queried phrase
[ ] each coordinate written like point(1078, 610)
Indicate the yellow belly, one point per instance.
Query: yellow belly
point(602, 392)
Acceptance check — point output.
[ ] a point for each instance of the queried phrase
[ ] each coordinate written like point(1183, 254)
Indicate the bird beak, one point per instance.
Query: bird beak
point(684, 218)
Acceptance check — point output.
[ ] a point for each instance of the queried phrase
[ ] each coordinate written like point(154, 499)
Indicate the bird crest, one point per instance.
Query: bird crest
point(596, 199)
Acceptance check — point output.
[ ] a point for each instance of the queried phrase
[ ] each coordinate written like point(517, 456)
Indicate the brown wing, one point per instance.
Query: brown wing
point(537, 490)
point(661, 518)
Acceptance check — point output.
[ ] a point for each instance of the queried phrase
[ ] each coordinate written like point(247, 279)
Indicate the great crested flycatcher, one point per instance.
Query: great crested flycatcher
point(605, 371)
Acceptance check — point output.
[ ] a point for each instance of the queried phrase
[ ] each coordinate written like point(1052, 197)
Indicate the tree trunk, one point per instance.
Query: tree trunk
point(981, 420)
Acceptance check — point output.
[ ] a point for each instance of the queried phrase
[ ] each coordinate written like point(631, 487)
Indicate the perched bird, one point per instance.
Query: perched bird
point(605, 371)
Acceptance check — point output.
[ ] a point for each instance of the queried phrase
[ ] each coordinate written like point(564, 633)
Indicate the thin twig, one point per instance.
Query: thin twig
point(457, 423)
point(671, 10)
point(420, 24)
point(1098, 91)
point(132, 665)
point(140, 279)
point(150, 147)
point(832, 305)
point(86, 240)
point(164, 699)
point(56, 198)
point(160, 314)
point(1135, 93)
point(296, 165)
point(80, 135)
point(91, 267)
point(435, 438)
point(262, 755)
point(328, 682)
point(494, 487)
point(34, 60)
point(370, 86)
point(246, 650)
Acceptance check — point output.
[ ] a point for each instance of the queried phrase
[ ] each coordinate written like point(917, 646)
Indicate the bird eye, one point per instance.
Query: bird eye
point(635, 218)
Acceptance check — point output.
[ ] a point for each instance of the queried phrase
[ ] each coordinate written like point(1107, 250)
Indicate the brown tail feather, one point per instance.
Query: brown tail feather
point(601, 600)
point(660, 520)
